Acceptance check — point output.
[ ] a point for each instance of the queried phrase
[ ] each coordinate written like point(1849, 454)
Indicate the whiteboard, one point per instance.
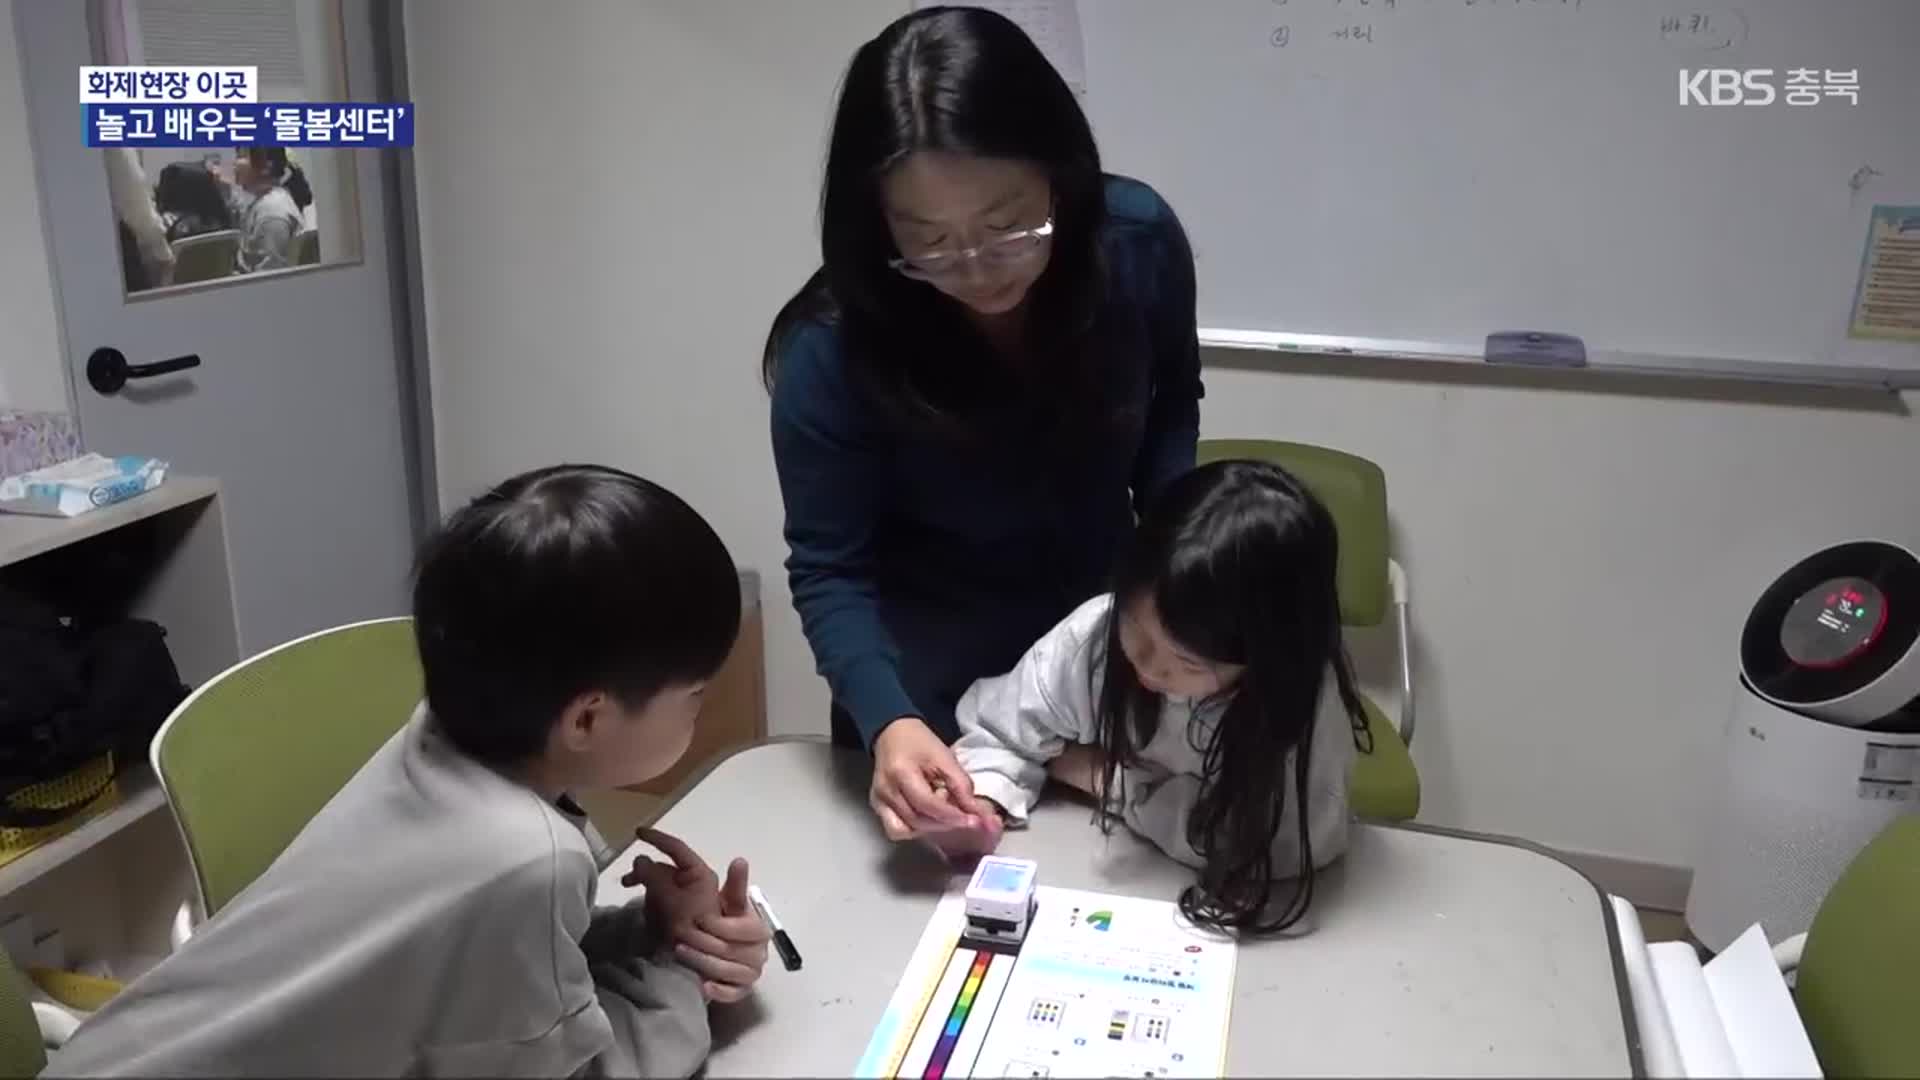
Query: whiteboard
point(1411, 175)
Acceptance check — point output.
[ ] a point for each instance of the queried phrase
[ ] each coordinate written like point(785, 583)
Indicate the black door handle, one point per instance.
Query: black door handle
point(108, 370)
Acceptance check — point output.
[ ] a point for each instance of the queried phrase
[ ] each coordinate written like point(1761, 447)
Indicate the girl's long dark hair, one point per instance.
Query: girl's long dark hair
point(191, 190)
point(968, 81)
point(272, 160)
point(1238, 558)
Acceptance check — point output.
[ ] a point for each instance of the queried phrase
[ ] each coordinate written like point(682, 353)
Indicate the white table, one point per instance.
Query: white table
point(1432, 953)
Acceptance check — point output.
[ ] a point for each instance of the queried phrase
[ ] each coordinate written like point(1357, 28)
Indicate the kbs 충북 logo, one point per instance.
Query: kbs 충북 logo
point(1758, 86)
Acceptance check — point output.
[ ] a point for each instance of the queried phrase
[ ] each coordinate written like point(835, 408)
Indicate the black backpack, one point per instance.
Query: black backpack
point(72, 689)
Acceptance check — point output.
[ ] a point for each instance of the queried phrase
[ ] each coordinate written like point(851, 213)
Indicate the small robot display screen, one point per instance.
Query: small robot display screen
point(1833, 623)
point(1002, 877)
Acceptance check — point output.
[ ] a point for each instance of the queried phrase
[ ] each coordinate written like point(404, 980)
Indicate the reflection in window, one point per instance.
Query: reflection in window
point(191, 215)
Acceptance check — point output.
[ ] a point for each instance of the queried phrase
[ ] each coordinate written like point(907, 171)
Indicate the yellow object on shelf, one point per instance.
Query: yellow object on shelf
point(86, 993)
point(87, 791)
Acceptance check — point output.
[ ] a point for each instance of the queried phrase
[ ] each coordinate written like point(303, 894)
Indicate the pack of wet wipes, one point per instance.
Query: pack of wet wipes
point(88, 482)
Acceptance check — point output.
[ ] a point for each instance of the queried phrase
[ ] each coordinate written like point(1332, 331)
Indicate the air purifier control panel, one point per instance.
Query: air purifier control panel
point(1833, 622)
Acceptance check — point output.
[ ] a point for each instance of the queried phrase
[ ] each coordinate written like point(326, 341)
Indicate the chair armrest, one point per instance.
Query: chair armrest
point(1397, 581)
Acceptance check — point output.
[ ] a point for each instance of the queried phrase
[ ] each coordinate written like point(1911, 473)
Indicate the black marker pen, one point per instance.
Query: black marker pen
point(789, 956)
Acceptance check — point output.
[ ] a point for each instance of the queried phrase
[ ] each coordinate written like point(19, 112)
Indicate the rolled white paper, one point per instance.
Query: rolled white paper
point(1698, 1031)
point(1757, 1013)
point(1657, 1047)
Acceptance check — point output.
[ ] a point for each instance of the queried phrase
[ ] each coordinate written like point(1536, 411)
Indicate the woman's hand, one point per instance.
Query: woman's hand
point(967, 842)
point(715, 932)
point(1079, 767)
point(918, 785)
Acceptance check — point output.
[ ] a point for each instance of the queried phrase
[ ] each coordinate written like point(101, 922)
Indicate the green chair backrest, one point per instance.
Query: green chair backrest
point(1355, 493)
point(254, 754)
point(1861, 963)
point(22, 1053)
point(305, 249)
point(205, 257)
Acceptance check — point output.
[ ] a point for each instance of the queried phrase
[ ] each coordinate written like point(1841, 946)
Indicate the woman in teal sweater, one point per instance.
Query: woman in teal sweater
point(996, 364)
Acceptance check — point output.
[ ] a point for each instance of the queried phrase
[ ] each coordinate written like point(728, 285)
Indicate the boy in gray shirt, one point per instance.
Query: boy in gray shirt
point(436, 917)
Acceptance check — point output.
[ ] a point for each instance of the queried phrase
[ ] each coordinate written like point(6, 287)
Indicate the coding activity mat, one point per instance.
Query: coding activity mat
point(1102, 986)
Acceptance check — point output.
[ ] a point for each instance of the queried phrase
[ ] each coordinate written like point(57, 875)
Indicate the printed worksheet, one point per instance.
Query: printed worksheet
point(1102, 986)
point(1886, 300)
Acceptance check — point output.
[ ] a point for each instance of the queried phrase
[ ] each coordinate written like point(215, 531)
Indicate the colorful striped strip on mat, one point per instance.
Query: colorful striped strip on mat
point(926, 999)
point(957, 1019)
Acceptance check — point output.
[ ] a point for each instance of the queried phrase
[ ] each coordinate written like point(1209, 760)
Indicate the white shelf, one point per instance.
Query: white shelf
point(112, 885)
point(23, 536)
point(140, 795)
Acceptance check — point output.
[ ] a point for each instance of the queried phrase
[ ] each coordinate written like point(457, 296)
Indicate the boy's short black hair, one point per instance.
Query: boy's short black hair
point(559, 582)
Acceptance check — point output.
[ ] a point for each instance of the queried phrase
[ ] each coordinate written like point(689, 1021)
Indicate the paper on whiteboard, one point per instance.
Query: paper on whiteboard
point(1054, 25)
point(1886, 300)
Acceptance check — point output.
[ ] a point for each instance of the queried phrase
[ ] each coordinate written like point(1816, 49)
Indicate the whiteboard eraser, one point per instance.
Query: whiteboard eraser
point(1536, 348)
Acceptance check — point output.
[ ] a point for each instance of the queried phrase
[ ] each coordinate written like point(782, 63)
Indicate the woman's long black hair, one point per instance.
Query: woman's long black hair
point(968, 81)
point(1239, 559)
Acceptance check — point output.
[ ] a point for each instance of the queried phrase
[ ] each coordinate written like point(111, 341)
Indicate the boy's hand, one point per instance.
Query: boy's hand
point(727, 947)
point(1079, 767)
point(677, 894)
point(714, 929)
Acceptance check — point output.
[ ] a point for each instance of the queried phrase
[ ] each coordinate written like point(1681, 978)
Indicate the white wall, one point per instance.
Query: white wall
point(1582, 555)
point(1579, 551)
point(600, 291)
point(31, 371)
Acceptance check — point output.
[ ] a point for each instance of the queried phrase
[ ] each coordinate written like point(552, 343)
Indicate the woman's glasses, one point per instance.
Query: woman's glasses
point(1010, 249)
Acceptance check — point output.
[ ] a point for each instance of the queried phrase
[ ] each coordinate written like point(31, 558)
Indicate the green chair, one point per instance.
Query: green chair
point(1855, 981)
point(305, 249)
point(205, 256)
point(28, 1029)
point(1385, 784)
point(251, 756)
point(22, 1050)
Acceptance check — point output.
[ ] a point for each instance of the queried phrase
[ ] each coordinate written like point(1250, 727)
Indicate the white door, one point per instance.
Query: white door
point(296, 403)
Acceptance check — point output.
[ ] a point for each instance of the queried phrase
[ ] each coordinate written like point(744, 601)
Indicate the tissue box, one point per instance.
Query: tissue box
point(74, 487)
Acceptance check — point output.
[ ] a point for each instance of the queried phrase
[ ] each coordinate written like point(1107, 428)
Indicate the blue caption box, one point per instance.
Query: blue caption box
point(347, 125)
